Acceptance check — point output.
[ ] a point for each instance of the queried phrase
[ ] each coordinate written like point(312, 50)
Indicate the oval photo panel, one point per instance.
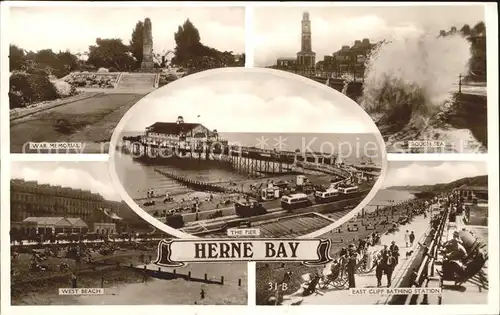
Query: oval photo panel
point(238, 147)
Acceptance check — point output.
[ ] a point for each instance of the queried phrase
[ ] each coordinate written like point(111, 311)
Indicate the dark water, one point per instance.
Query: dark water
point(352, 148)
point(137, 178)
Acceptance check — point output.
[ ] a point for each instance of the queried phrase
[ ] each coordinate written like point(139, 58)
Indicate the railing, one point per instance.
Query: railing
point(118, 80)
point(327, 168)
point(426, 269)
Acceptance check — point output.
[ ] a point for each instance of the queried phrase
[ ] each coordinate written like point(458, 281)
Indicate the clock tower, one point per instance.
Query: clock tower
point(306, 58)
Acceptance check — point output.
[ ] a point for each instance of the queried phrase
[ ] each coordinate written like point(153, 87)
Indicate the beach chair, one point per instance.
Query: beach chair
point(312, 285)
point(338, 278)
point(460, 272)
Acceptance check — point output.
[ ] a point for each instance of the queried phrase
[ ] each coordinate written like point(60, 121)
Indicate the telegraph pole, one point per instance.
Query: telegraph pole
point(460, 83)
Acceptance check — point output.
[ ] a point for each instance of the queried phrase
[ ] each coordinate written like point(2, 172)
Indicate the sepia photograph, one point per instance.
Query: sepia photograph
point(213, 157)
point(246, 148)
point(419, 71)
point(73, 241)
point(423, 239)
point(68, 89)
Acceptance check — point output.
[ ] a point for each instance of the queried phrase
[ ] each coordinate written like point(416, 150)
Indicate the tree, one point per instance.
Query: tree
point(109, 53)
point(66, 63)
point(137, 42)
point(465, 30)
point(477, 61)
point(480, 28)
point(187, 40)
point(67, 59)
point(241, 62)
point(191, 53)
point(30, 55)
point(320, 65)
point(47, 58)
point(16, 57)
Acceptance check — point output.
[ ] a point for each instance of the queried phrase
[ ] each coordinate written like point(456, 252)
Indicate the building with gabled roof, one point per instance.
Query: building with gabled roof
point(50, 225)
point(168, 134)
point(471, 192)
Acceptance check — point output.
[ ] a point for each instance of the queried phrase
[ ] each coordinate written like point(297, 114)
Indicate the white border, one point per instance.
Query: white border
point(121, 4)
point(491, 21)
point(249, 37)
point(62, 157)
point(356, 4)
point(445, 157)
point(4, 162)
point(115, 139)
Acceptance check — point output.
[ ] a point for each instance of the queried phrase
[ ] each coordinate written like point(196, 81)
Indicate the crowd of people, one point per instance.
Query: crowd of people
point(464, 255)
point(384, 261)
point(22, 238)
point(70, 256)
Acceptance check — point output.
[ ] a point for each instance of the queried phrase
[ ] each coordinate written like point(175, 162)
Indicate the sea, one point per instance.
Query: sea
point(386, 197)
point(137, 178)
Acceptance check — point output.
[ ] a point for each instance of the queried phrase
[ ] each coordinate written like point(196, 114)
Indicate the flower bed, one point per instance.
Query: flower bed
point(93, 80)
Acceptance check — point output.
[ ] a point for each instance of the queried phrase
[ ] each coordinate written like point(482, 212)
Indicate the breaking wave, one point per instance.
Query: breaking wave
point(409, 81)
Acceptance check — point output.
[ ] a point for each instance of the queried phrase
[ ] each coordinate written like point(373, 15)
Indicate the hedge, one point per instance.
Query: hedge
point(27, 89)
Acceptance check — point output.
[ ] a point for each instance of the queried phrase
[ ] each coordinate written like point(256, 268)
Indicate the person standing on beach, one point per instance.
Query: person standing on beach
point(407, 237)
point(412, 238)
point(73, 281)
point(202, 294)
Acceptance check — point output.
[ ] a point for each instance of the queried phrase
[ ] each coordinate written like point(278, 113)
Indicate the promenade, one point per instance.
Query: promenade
point(332, 296)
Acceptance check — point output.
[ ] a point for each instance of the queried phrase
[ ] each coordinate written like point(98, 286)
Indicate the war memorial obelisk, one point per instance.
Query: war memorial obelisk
point(147, 46)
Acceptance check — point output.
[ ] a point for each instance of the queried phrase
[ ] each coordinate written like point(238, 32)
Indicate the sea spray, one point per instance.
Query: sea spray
point(409, 79)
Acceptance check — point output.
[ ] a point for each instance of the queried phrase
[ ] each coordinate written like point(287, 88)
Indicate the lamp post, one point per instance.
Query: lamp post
point(460, 83)
point(354, 72)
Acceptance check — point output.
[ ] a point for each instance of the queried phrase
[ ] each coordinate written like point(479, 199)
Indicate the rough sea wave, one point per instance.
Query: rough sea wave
point(410, 85)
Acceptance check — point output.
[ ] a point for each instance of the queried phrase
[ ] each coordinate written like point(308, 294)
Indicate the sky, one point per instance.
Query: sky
point(74, 29)
point(431, 172)
point(278, 30)
point(250, 100)
point(93, 176)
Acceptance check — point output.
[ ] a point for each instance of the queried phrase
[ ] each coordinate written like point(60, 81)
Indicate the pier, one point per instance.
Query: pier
point(180, 143)
point(195, 185)
point(249, 160)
